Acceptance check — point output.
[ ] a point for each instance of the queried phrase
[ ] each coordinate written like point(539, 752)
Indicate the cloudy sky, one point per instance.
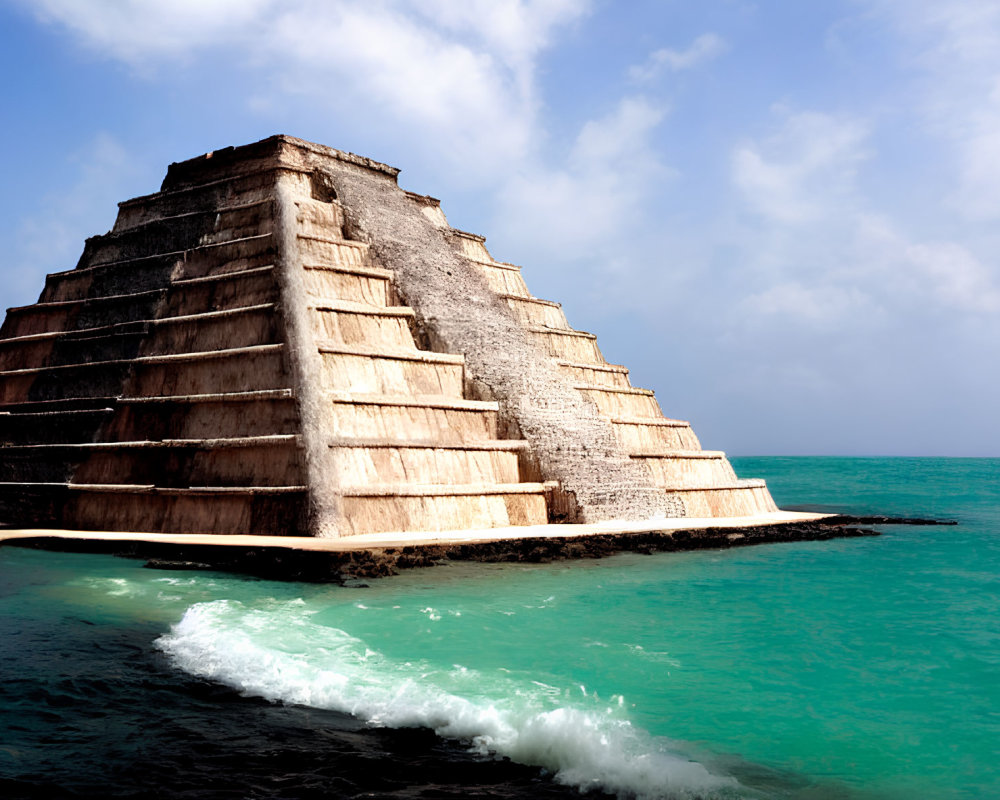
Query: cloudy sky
point(781, 215)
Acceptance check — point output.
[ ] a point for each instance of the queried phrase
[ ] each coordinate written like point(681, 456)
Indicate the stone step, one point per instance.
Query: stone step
point(222, 210)
point(439, 419)
point(51, 426)
point(221, 371)
point(148, 488)
point(183, 297)
point(665, 422)
point(608, 375)
point(169, 358)
point(605, 367)
point(261, 460)
point(417, 401)
point(567, 345)
point(534, 312)
point(513, 445)
point(398, 353)
point(266, 510)
point(439, 490)
point(246, 287)
point(226, 191)
point(620, 402)
point(236, 369)
point(351, 269)
point(531, 300)
point(158, 270)
point(226, 249)
point(366, 309)
point(741, 498)
point(181, 232)
point(204, 416)
point(561, 332)
point(333, 252)
point(236, 255)
point(129, 278)
point(75, 334)
point(96, 379)
point(141, 444)
point(368, 285)
point(641, 434)
point(63, 315)
point(367, 369)
point(504, 279)
point(111, 343)
point(349, 322)
point(403, 507)
point(218, 331)
point(361, 465)
point(622, 390)
point(61, 404)
point(688, 469)
point(471, 245)
point(227, 329)
point(663, 452)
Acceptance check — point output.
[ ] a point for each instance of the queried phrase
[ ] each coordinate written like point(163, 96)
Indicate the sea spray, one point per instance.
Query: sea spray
point(276, 651)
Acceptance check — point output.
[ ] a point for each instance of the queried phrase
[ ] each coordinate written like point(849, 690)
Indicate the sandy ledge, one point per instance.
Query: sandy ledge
point(339, 560)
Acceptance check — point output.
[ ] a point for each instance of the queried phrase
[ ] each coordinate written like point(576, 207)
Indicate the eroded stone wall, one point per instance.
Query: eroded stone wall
point(569, 440)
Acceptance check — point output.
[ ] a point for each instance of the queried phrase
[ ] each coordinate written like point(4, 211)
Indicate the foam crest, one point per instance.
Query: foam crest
point(277, 652)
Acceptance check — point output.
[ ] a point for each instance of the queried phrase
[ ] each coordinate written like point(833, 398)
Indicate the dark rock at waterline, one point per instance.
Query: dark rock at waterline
point(166, 563)
point(280, 563)
point(879, 519)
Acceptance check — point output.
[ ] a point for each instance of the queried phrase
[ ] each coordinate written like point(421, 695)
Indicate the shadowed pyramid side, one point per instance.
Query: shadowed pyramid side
point(226, 361)
point(283, 341)
point(148, 388)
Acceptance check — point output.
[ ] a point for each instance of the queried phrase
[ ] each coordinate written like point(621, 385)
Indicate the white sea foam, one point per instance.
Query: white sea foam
point(280, 654)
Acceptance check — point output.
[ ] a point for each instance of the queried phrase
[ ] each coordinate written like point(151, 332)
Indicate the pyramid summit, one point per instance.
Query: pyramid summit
point(283, 341)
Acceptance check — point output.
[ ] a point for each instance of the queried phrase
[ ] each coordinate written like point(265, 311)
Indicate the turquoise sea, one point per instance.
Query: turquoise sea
point(856, 668)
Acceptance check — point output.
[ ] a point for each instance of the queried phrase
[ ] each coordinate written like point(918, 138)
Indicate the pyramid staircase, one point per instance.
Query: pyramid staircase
point(235, 357)
point(150, 388)
point(668, 449)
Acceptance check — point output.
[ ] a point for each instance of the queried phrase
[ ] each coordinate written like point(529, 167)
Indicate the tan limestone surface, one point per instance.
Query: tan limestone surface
point(416, 538)
point(283, 340)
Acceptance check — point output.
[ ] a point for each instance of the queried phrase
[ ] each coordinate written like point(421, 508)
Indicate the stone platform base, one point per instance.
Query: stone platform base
point(375, 555)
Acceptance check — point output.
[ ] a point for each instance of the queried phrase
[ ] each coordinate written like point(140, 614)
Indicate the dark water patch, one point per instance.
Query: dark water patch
point(92, 711)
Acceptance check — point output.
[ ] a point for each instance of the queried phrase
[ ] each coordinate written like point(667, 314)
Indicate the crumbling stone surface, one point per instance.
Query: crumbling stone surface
point(571, 443)
point(282, 340)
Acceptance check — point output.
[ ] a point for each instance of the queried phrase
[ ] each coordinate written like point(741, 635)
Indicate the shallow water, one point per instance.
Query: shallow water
point(860, 668)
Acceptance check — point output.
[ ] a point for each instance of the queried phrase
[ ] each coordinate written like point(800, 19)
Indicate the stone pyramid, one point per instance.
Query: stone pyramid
point(283, 341)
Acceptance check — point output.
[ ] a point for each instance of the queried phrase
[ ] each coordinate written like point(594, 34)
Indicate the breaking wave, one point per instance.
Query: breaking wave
point(279, 653)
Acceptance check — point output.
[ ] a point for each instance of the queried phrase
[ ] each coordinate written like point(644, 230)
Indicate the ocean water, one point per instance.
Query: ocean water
point(857, 669)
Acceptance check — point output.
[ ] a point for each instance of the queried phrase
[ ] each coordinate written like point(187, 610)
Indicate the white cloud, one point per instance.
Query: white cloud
point(517, 29)
point(461, 76)
point(953, 49)
point(610, 169)
point(926, 275)
point(806, 167)
point(814, 305)
point(137, 31)
point(703, 49)
point(819, 256)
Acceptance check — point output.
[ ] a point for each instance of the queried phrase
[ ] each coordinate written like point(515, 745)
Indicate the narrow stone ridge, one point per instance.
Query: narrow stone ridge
point(281, 340)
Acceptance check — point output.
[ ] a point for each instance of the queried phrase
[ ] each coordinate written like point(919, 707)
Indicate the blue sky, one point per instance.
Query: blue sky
point(782, 216)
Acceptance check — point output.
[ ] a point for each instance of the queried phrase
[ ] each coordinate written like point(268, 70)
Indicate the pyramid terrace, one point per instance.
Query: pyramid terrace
point(283, 342)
